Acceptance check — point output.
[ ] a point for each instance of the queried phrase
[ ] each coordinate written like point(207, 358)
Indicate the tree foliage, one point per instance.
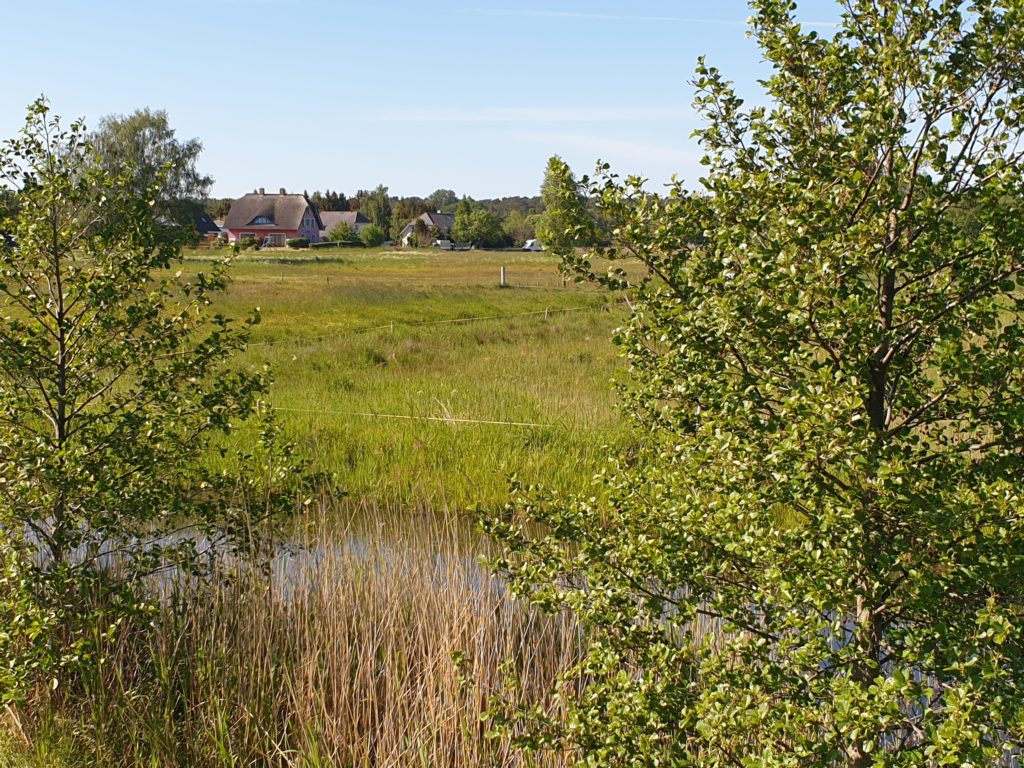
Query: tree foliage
point(817, 557)
point(519, 227)
point(566, 221)
point(329, 201)
point(114, 384)
point(343, 232)
point(376, 206)
point(373, 236)
point(475, 224)
point(163, 166)
point(440, 199)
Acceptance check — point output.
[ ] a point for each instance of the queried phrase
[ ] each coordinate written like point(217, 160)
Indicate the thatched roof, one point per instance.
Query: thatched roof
point(283, 210)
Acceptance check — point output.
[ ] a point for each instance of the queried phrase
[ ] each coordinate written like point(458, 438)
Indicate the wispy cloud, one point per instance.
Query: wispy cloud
point(620, 17)
point(531, 114)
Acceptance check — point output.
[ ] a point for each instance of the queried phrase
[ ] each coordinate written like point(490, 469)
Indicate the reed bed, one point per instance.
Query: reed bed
point(374, 644)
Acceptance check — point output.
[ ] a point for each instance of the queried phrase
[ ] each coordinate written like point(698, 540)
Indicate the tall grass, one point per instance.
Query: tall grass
point(374, 645)
point(529, 360)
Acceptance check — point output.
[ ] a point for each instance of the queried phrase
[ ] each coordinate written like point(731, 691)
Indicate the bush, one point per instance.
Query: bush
point(373, 236)
point(343, 232)
point(297, 242)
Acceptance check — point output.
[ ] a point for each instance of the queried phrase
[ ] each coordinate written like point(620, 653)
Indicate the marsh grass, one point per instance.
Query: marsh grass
point(384, 362)
point(377, 643)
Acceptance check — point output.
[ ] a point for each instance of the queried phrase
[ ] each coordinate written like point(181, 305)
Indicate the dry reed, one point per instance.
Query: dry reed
point(376, 645)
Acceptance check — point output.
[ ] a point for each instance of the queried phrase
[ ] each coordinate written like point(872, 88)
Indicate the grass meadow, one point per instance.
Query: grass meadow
point(392, 368)
point(378, 639)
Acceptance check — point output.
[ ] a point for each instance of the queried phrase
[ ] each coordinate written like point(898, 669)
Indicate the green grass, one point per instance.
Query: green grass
point(357, 337)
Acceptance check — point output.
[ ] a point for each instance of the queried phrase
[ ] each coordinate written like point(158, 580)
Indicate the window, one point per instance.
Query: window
point(261, 220)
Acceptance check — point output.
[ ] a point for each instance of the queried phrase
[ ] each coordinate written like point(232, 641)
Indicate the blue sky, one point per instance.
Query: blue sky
point(470, 95)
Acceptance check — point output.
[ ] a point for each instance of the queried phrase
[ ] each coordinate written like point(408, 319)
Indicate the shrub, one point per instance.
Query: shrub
point(297, 242)
point(373, 236)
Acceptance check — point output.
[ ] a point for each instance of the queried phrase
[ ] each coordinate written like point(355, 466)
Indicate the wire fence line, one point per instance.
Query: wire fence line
point(409, 417)
point(418, 323)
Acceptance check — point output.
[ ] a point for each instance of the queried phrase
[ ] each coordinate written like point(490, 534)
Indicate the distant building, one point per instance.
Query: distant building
point(275, 218)
point(331, 219)
point(440, 224)
point(207, 228)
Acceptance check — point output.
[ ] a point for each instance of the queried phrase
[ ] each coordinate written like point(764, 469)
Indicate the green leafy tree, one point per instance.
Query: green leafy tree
point(566, 221)
point(114, 384)
point(817, 558)
point(218, 207)
point(474, 224)
point(440, 199)
point(422, 234)
point(376, 206)
point(329, 201)
point(373, 236)
point(161, 164)
point(519, 227)
point(343, 232)
point(405, 210)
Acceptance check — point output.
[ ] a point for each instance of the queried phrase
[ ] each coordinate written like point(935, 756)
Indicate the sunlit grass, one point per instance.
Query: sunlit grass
point(385, 362)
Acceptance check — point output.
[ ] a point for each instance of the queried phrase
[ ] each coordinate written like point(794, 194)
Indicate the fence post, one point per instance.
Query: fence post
point(502, 284)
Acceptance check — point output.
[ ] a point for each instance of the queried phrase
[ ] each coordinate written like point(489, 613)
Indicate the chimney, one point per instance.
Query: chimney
point(281, 191)
point(262, 191)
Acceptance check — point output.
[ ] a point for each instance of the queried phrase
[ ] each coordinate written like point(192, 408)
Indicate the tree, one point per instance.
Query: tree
point(343, 232)
point(422, 234)
point(329, 201)
point(114, 384)
point(440, 199)
point(566, 221)
point(161, 164)
point(518, 227)
point(816, 560)
point(373, 236)
point(473, 224)
point(218, 207)
point(403, 211)
point(376, 206)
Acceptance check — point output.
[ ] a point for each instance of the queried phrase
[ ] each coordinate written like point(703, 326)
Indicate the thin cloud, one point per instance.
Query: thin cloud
point(620, 17)
point(531, 114)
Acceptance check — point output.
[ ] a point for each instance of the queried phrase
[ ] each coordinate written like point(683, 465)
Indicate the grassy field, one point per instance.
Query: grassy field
point(390, 367)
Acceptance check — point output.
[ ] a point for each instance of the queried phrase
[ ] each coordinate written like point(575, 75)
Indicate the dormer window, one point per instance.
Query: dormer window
point(261, 220)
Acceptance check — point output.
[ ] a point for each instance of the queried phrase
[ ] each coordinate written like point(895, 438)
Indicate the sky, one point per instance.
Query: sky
point(468, 95)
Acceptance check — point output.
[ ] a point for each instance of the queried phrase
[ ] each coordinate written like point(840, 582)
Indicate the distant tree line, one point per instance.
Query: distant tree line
point(489, 223)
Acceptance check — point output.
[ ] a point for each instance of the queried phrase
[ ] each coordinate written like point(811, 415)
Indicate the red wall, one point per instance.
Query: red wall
point(235, 234)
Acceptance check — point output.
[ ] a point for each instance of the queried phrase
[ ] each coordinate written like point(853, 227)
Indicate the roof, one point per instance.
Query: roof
point(285, 211)
point(443, 221)
point(205, 225)
point(331, 219)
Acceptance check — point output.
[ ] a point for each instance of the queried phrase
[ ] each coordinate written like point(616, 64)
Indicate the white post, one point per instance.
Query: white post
point(502, 277)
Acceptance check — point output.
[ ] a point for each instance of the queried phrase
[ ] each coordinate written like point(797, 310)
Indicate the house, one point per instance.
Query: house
point(207, 228)
point(438, 224)
point(331, 219)
point(274, 218)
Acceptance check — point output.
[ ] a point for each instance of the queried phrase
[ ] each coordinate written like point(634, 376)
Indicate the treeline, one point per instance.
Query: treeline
point(490, 223)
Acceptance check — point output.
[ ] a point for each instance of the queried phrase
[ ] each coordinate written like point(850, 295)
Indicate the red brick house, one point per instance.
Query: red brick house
point(274, 218)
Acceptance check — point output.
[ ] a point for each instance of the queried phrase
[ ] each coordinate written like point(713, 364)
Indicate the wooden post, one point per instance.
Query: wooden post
point(502, 277)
